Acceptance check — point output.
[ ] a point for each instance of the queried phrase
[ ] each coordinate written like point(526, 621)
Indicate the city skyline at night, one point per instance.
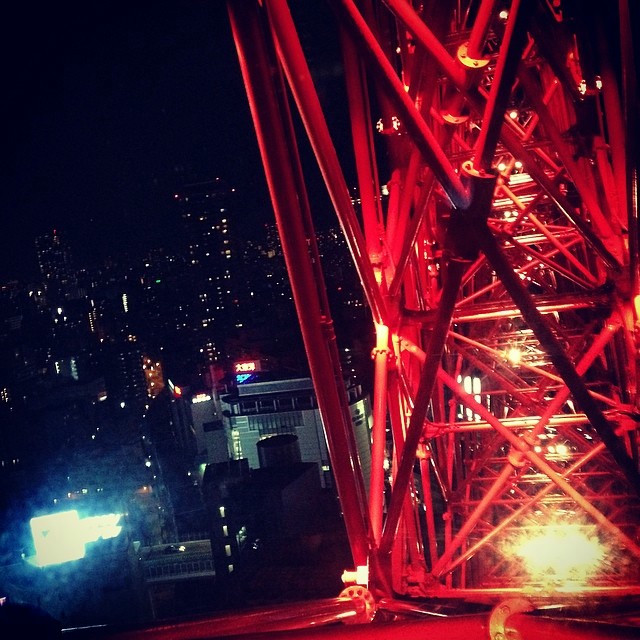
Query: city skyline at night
point(335, 302)
point(111, 110)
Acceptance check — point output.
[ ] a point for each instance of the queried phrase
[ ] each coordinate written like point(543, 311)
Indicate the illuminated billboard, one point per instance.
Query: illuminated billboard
point(245, 370)
point(247, 366)
point(62, 537)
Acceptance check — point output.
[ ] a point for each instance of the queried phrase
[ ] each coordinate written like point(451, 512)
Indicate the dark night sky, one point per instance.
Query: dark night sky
point(104, 105)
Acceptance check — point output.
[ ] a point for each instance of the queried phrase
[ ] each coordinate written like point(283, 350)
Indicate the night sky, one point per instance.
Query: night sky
point(108, 107)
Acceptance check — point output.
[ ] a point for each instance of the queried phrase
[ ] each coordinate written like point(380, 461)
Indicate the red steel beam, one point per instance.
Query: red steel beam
point(299, 78)
point(381, 355)
point(409, 115)
point(268, 108)
point(509, 137)
point(514, 515)
point(554, 349)
point(363, 147)
point(480, 28)
point(511, 48)
point(437, 341)
point(519, 444)
point(532, 88)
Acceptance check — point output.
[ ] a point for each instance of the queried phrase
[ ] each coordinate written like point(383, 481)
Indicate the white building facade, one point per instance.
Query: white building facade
point(263, 409)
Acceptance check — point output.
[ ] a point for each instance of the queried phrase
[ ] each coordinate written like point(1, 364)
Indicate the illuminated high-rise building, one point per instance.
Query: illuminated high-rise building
point(56, 266)
point(125, 375)
point(207, 210)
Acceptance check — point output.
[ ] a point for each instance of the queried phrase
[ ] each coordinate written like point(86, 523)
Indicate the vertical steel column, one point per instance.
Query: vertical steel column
point(425, 477)
point(363, 147)
point(381, 356)
point(267, 101)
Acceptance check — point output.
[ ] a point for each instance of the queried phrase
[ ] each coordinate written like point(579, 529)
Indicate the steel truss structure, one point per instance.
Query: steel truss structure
point(495, 234)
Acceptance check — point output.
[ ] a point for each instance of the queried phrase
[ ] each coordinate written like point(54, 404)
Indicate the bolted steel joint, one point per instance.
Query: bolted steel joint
point(460, 240)
point(465, 59)
point(364, 602)
point(500, 616)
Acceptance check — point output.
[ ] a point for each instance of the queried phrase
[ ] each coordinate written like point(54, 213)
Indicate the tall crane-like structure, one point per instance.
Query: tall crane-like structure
point(495, 234)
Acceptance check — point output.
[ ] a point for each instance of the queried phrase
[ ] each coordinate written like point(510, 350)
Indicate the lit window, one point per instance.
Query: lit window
point(227, 549)
point(225, 530)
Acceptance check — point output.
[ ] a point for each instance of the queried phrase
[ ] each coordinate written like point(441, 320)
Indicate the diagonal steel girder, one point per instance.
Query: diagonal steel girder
point(407, 15)
point(536, 321)
point(460, 247)
point(274, 130)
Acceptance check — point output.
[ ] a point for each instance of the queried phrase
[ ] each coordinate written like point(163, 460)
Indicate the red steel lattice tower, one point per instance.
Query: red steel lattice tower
point(495, 235)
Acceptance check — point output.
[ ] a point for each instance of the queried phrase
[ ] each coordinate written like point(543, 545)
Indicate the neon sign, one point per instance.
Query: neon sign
point(244, 367)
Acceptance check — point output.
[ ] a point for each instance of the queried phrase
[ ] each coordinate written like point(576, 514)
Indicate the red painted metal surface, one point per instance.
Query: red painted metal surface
point(499, 261)
point(496, 243)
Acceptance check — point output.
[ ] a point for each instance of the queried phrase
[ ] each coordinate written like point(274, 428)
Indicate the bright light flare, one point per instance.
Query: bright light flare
point(563, 554)
point(61, 537)
point(56, 539)
point(514, 355)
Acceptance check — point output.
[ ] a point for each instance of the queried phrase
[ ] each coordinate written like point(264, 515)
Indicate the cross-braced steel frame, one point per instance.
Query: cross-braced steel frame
point(495, 235)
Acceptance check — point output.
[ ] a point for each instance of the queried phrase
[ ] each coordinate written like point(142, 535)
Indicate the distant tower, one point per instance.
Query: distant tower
point(56, 267)
point(207, 210)
point(125, 375)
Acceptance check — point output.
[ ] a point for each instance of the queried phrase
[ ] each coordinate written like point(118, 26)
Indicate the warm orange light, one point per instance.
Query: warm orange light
point(382, 336)
point(564, 554)
point(244, 367)
point(514, 355)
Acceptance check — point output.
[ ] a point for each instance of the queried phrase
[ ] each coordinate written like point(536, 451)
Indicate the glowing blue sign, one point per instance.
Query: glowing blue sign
point(243, 377)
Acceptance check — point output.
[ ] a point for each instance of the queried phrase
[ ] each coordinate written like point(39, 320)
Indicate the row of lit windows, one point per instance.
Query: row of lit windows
point(177, 568)
point(273, 405)
point(270, 424)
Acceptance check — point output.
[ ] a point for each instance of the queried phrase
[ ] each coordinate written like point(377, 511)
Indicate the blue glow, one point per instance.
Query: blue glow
point(61, 537)
point(243, 377)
